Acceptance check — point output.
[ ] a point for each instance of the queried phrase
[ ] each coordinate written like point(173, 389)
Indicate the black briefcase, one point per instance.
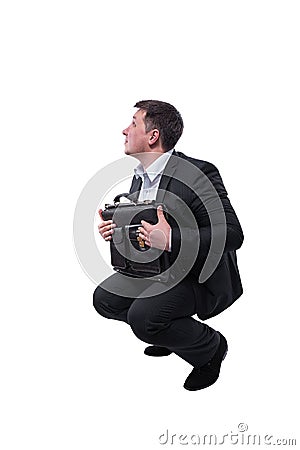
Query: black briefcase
point(129, 253)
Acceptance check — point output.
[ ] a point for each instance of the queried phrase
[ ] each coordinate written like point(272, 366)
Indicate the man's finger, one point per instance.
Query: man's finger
point(146, 225)
point(142, 233)
point(142, 236)
point(160, 212)
point(100, 213)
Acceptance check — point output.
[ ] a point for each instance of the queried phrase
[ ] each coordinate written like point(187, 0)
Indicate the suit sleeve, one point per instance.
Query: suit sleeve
point(217, 202)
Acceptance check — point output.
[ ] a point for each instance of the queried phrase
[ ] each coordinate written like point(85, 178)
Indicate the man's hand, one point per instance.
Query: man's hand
point(158, 235)
point(106, 227)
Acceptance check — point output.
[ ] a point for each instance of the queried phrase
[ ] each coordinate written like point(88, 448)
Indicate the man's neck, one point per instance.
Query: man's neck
point(147, 158)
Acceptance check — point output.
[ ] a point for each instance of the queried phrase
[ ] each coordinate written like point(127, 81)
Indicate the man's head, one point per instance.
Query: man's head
point(156, 126)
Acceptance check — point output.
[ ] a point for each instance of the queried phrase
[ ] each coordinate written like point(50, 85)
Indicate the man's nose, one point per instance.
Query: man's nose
point(125, 132)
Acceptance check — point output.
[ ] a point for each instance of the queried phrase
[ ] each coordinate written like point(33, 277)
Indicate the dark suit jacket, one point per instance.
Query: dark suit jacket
point(182, 181)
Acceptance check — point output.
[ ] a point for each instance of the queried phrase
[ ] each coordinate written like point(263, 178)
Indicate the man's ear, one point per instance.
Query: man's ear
point(153, 136)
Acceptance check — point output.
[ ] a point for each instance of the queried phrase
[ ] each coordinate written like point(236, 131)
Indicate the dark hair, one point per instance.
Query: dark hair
point(165, 118)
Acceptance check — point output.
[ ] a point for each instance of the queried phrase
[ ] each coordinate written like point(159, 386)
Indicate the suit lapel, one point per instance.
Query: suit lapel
point(166, 177)
point(135, 189)
point(135, 185)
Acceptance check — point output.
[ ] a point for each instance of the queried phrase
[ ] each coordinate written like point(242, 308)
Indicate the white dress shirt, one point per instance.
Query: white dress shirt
point(151, 178)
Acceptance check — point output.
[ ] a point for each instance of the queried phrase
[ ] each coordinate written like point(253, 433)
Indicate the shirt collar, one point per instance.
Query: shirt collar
point(156, 168)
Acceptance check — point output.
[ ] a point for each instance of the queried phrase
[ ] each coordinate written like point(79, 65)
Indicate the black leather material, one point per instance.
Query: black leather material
point(125, 241)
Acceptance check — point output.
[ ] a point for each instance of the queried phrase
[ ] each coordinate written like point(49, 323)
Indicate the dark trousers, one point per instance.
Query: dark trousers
point(164, 319)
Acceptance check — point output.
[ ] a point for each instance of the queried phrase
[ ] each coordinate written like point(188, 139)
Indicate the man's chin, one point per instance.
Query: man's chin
point(128, 152)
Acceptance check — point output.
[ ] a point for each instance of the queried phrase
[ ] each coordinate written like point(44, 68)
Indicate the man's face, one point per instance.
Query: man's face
point(136, 138)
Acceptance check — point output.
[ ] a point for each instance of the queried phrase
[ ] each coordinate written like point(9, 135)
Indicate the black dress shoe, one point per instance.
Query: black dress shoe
point(154, 350)
point(204, 376)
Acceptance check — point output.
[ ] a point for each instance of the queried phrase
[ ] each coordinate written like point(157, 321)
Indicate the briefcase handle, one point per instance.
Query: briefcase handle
point(117, 197)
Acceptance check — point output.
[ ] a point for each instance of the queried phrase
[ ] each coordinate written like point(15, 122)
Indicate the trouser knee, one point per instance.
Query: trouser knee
point(99, 301)
point(145, 327)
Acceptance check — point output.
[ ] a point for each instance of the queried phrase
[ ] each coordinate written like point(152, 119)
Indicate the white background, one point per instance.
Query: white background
point(71, 73)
